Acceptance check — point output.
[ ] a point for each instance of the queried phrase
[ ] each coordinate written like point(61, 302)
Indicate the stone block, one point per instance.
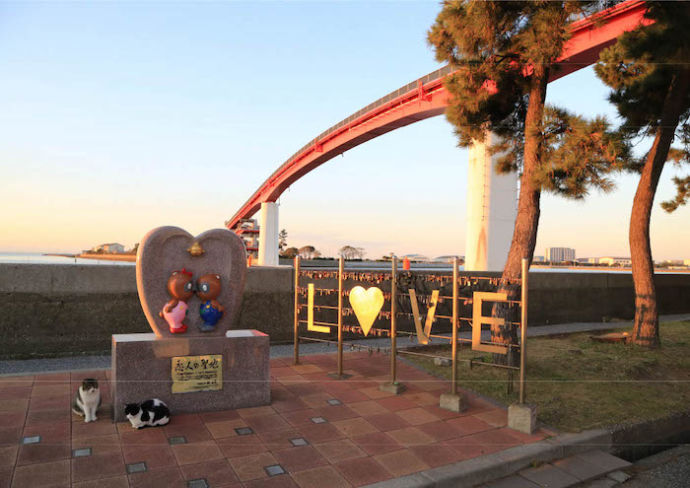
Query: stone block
point(522, 417)
point(619, 476)
point(142, 369)
point(580, 468)
point(604, 460)
point(451, 402)
point(551, 476)
point(395, 388)
point(443, 362)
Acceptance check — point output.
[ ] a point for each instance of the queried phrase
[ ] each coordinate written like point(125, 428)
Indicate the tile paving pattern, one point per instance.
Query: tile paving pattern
point(364, 437)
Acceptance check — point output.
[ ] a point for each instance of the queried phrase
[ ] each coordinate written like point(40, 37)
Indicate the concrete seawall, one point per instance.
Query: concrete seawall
point(49, 310)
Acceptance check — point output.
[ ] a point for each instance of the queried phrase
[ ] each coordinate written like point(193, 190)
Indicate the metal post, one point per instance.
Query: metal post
point(523, 328)
point(296, 325)
point(341, 268)
point(394, 289)
point(454, 372)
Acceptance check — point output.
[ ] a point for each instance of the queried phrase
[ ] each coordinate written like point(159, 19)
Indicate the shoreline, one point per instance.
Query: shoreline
point(611, 268)
point(60, 255)
point(131, 258)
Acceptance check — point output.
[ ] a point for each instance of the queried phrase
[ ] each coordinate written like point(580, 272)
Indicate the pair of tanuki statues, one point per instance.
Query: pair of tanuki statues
point(181, 287)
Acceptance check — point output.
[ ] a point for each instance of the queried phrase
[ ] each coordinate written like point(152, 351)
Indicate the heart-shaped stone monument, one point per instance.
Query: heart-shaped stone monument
point(366, 304)
point(165, 251)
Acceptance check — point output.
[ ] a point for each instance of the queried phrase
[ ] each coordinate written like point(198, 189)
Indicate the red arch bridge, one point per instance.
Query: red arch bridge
point(491, 207)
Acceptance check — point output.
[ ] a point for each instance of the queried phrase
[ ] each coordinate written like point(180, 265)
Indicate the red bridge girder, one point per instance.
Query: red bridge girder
point(427, 97)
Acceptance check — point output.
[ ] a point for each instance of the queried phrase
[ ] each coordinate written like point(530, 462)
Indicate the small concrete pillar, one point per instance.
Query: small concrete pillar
point(394, 388)
point(491, 210)
point(452, 402)
point(268, 235)
point(522, 417)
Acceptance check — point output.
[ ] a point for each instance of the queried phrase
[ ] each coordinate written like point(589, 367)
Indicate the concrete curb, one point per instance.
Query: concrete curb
point(501, 464)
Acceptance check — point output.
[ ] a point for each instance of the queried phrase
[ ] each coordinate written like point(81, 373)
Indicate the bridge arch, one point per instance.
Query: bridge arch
point(421, 99)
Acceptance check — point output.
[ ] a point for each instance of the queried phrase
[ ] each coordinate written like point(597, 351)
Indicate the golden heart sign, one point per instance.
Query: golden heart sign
point(366, 305)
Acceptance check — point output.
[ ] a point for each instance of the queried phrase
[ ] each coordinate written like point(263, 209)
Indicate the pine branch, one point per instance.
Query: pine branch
point(682, 194)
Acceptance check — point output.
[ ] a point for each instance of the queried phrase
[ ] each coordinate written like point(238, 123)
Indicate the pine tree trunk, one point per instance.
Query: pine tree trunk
point(527, 219)
point(646, 328)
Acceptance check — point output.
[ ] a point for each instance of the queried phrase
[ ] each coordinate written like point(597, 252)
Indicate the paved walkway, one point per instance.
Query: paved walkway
point(317, 432)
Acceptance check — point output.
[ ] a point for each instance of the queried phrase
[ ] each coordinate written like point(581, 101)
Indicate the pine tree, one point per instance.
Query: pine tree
point(503, 54)
point(307, 252)
point(649, 72)
point(282, 240)
point(682, 194)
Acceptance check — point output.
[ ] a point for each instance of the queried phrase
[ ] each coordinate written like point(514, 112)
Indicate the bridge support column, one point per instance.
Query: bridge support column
point(491, 210)
point(268, 234)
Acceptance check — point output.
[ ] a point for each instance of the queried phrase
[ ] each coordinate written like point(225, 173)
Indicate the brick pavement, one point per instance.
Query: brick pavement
point(317, 432)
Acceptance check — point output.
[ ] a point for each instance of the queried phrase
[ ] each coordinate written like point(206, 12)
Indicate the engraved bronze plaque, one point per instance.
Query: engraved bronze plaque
point(197, 373)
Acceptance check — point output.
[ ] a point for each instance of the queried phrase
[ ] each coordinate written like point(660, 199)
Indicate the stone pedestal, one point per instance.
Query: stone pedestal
point(142, 369)
point(395, 388)
point(451, 402)
point(522, 417)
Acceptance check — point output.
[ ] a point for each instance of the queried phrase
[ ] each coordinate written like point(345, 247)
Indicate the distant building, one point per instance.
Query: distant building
point(110, 248)
point(447, 259)
point(248, 230)
point(538, 259)
point(686, 262)
point(419, 258)
point(559, 254)
point(615, 261)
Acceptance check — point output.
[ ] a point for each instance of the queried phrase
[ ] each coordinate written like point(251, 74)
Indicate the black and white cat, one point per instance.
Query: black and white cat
point(149, 414)
point(87, 400)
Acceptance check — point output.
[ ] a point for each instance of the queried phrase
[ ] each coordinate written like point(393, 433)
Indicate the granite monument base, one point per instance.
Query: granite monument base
point(191, 374)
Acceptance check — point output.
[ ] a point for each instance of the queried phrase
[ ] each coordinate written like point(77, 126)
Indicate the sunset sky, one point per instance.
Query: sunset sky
point(120, 117)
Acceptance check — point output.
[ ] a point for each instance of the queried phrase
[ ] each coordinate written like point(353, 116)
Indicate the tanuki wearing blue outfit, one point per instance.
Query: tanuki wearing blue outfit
point(210, 314)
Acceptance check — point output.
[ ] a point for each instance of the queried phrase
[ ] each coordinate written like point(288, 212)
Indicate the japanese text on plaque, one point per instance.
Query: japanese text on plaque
point(197, 373)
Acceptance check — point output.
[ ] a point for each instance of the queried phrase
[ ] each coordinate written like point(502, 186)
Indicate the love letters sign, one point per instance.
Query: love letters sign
point(367, 304)
point(375, 296)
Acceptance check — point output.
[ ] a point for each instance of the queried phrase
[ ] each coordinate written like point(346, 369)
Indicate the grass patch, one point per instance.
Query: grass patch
point(579, 384)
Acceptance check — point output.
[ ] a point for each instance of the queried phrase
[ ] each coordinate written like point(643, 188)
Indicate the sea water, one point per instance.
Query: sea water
point(39, 258)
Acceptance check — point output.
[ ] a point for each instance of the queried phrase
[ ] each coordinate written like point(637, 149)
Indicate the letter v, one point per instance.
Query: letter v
point(423, 335)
